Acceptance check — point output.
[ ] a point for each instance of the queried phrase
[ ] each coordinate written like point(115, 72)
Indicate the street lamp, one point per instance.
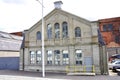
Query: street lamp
point(43, 61)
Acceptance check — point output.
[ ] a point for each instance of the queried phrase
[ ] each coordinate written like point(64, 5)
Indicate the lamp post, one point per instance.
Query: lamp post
point(43, 60)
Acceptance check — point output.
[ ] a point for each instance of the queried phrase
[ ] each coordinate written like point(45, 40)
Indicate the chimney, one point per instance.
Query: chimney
point(58, 4)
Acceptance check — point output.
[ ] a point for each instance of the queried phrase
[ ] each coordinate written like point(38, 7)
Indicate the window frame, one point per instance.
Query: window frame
point(49, 57)
point(57, 30)
point(78, 57)
point(57, 57)
point(38, 35)
point(49, 31)
point(65, 57)
point(38, 58)
point(64, 30)
point(77, 32)
point(32, 57)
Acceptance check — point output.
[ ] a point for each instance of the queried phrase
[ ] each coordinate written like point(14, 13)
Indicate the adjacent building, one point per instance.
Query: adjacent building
point(70, 41)
point(9, 51)
point(110, 30)
point(17, 33)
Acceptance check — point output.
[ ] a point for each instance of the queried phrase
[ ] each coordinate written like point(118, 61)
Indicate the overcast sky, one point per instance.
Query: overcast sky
point(19, 15)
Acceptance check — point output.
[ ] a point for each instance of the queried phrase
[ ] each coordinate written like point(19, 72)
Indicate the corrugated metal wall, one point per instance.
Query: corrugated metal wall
point(9, 63)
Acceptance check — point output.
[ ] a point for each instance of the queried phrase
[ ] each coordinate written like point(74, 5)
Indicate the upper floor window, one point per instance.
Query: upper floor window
point(38, 57)
point(104, 27)
point(108, 27)
point(57, 30)
point(64, 30)
point(77, 32)
point(49, 31)
point(38, 34)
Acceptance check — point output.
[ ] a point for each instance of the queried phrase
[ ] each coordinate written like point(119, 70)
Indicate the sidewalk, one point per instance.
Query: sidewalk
point(21, 75)
point(10, 77)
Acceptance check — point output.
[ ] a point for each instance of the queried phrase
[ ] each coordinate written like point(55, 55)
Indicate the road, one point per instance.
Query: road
point(21, 75)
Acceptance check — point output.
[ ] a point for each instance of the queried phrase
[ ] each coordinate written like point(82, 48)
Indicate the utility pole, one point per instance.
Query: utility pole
point(43, 58)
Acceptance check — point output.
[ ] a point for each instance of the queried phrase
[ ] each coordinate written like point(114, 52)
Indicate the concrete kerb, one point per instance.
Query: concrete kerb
point(81, 74)
point(10, 77)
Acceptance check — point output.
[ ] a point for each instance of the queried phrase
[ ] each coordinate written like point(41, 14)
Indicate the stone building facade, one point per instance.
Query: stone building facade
point(69, 41)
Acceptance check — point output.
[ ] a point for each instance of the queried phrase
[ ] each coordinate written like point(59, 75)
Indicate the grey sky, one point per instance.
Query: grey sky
point(19, 15)
point(14, 1)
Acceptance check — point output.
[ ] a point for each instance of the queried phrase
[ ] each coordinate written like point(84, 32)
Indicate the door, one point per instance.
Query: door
point(88, 63)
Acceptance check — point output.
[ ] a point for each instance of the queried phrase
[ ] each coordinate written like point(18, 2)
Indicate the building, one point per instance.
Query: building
point(9, 51)
point(69, 41)
point(110, 30)
point(17, 33)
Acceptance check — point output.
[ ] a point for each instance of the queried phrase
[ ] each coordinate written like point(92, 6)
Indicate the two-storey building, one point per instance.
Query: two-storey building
point(69, 41)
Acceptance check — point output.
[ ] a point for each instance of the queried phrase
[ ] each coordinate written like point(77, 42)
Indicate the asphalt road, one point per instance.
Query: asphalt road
point(21, 75)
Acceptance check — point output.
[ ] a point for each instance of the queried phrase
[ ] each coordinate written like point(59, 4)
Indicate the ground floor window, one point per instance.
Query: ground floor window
point(78, 56)
point(65, 58)
point(32, 57)
point(38, 57)
point(57, 57)
point(49, 57)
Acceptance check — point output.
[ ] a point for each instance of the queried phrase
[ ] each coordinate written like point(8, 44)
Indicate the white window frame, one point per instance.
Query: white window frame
point(32, 57)
point(65, 57)
point(78, 57)
point(49, 57)
point(38, 57)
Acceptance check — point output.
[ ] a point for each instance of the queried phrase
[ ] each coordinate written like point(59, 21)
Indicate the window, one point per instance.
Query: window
point(49, 57)
point(32, 57)
point(108, 27)
point(38, 35)
point(57, 57)
point(77, 32)
point(38, 57)
point(117, 39)
point(78, 57)
point(64, 30)
point(119, 29)
point(104, 27)
point(65, 57)
point(57, 30)
point(49, 31)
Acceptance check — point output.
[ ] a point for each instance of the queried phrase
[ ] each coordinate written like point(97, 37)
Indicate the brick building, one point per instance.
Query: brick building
point(17, 33)
point(110, 30)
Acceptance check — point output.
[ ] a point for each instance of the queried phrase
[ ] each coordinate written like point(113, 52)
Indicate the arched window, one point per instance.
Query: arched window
point(57, 30)
point(77, 32)
point(49, 31)
point(65, 30)
point(38, 35)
